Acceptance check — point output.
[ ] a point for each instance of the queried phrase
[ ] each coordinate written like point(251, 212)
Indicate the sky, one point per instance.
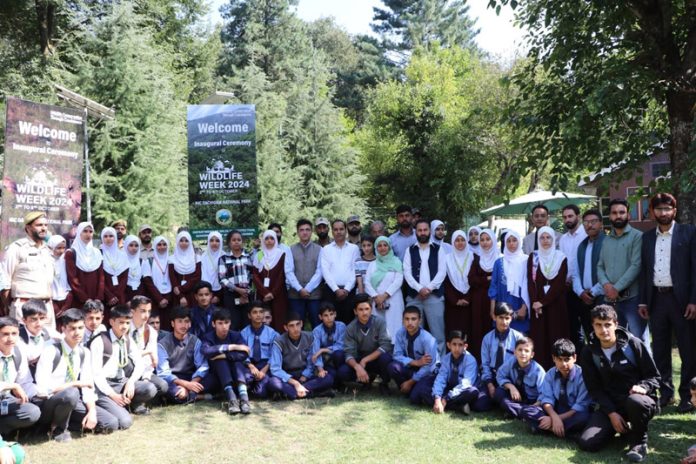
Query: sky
point(498, 35)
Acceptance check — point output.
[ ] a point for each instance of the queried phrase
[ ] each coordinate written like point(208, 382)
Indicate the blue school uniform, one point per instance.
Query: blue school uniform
point(260, 343)
point(407, 349)
point(231, 368)
point(533, 378)
point(489, 351)
point(498, 291)
point(277, 364)
point(201, 320)
point(324, 338)
point(455, 375)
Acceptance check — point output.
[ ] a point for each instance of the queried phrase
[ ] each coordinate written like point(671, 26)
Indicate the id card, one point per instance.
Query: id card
point(114, 281)
point(183, 282)
point(267, 282)
point(237, 301)
point(546, 289)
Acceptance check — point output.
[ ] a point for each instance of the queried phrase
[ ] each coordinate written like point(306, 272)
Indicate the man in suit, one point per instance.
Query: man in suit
point(668, 295)
point(540, 218)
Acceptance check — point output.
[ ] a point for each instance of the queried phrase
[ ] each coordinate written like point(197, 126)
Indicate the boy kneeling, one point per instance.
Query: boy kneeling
point(292, 369)
point(565, 404)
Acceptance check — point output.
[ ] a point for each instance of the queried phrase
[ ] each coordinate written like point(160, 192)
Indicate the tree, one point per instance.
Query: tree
point(406, 24)
point(435, 140)
point(606, 82)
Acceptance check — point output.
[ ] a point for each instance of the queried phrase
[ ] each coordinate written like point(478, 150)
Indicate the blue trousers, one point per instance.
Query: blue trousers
point(306, 308)
point(483, 401)
point(467, 395)
point(502, 397)
point(227, 372)
point(377, 367)
point(257, 388)
point(532, 414)
point(627, 311)
point(313, 385)
point(209, 382)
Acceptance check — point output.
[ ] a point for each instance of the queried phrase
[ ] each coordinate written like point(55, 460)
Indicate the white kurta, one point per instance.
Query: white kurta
point(392, 285)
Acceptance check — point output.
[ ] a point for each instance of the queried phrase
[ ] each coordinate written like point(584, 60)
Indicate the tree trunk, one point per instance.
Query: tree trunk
point(681, 113)
point(45, 17)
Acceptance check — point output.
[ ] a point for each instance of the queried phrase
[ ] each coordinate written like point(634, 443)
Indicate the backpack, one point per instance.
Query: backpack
point(108, 346)
point(59, 353)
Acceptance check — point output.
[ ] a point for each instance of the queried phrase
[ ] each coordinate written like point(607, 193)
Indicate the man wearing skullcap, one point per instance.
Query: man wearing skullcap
point(30, 267)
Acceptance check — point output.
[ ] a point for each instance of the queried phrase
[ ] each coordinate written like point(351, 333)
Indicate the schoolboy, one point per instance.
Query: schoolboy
point(454, 387)
point(621, 377)
point(65, 387)
point(155, 322)
point(416, 357)
point(259, 337)
point(34, 333)
point(564, 404)
point(94, 317)
point(145, 338)
point(327, 349)
point(202, 311)
point(181, 363)
point(498, 346)
point(16, 387)
point(292, 370)
point(117, 366)
point(519, 379)
point(226, 352)
point(367, 346)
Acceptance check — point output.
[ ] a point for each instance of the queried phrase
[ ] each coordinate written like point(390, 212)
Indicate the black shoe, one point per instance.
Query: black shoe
point(63, 437)
point(685, 406)
point(141, 410)
point(637, 453)
point(245, 408)
point(233, 407)
point(666, 401)
point(328, 393)
point(384, 389)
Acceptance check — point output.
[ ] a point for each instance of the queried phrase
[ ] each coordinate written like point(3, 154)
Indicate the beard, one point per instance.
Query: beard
point(353, 231)
point(405, 224)
point(665, 220)
point(423, 238)
point(119, 235)
point(323, 235)
point(146, 240)
point(570, 225)
point(619, 223)
point(36, 236)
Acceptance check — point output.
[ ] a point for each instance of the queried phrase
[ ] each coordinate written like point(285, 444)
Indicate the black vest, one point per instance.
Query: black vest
point(416, 264)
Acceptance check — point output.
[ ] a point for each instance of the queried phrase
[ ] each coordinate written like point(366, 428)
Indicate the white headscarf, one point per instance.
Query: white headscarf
point(550, 260)
point(135, 271)
point(268, 257)
point(514, 265)
point(209, 263)
point(458, 263)
point(184, 261)
point(87, 257)
point(488, 258)
point(446, 247)
point(158, 270)
point(60, 286)
point(115, 259)
point(476, 249)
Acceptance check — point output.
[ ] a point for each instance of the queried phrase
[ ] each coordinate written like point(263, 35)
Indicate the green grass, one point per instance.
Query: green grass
point(363, 427)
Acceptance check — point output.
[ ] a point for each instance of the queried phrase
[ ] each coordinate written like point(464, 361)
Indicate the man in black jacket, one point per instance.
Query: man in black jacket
point(668, 295)
point(622, 380)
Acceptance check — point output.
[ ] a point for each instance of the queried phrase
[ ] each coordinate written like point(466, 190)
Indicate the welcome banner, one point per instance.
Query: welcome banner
point(223, 192)
point(44, 146)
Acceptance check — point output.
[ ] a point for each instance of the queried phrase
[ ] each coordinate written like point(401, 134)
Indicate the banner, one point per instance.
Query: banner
point(42, 168)
point(223, 191)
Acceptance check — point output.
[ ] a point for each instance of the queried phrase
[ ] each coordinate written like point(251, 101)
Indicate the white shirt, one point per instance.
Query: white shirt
point(35, 346)
point(424, 278)
point(663, 258)
point(48, 379)
point(569, 243)
point(22, 376)
point(140, 343)
point(338, 265)
point(111, 369)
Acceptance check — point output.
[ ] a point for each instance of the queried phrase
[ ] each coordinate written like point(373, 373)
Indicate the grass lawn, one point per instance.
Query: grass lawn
point(363, 427)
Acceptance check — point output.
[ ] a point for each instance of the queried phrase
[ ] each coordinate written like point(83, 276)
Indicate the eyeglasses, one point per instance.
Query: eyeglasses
point(591, 222)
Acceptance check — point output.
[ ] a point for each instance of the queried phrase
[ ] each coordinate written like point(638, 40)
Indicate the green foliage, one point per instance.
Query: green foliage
point(434, 140)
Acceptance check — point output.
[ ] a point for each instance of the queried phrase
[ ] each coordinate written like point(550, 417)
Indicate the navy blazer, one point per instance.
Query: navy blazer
point(682, 265)
point(199, 325)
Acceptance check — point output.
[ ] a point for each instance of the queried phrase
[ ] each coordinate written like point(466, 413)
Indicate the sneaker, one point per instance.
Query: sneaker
point(466, 409)
point(637, 453)
point(63, 437)
point(233, 408)
point(245, 408)
point(141, 410)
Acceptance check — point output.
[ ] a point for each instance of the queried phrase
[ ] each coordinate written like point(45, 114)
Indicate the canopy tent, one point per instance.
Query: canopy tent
point(523, 205)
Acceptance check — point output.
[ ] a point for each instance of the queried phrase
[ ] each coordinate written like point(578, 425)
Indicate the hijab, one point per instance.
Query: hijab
point(87, 257)
point(60, 286)
point(514, 265)
point(549, 260)
point(384, 264)
point(488, 258)
point(459, 263)
point(184, 261)
point(446, 247)
point(158, 267)
point(476, 249)
point(135, 272)
point(115, 259)
point(209, 263)
point(267, 258)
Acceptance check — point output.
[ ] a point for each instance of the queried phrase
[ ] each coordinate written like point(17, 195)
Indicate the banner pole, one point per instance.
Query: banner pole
point(87, 182)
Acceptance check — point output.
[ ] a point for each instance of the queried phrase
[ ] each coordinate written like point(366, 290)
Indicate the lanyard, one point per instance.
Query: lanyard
point(70, 370)
point(6, 368)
